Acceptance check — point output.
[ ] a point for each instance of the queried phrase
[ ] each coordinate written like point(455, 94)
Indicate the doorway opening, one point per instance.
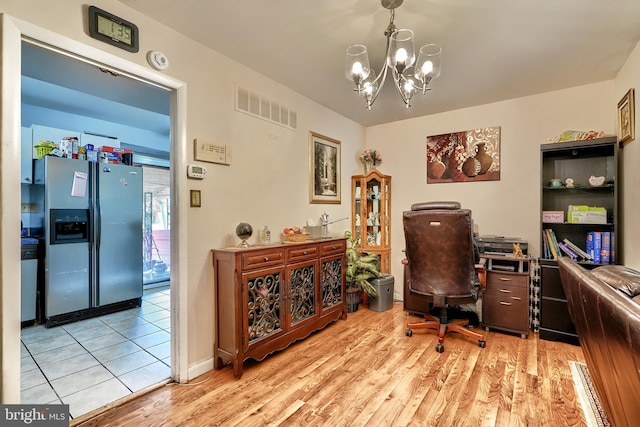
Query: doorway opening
point(111, 356)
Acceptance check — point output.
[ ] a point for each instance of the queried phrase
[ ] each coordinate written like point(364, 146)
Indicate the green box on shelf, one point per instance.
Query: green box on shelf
point(581, 214)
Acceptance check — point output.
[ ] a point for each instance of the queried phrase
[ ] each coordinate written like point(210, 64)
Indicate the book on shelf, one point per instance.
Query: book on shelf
point(554, 251)
point(612, 255)
point(605, 248)
point(597, 246)
point(545, 246)
point(568, 251)
point(578, 251)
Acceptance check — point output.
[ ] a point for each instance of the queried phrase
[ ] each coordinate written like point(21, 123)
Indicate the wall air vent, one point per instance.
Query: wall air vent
point(260, 106)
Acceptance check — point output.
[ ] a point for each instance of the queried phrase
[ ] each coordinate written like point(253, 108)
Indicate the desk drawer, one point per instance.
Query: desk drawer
point(299, 254)
point(262, 259)
point(335, 247)
point(505, 312)
point(507, 291)
point(507, 278)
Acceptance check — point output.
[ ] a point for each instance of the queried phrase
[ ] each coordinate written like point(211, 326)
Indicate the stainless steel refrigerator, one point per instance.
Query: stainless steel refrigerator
point(92, 216)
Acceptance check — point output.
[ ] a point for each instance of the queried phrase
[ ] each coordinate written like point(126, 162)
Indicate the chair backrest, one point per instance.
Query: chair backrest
point(440, 252)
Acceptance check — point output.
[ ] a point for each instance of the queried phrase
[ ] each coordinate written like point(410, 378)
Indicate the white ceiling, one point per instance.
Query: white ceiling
point(492, 49)
point(62, 83)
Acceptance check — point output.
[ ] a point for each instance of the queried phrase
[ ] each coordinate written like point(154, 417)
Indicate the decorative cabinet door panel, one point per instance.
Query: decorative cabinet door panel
point(302, 298)
point(263, 302)
point(331, 285)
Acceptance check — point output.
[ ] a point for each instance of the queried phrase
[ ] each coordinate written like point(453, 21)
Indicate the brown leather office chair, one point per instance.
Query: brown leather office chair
point(442, 266)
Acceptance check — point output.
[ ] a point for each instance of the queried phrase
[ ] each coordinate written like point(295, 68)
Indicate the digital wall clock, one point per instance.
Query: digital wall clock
point(111, 29)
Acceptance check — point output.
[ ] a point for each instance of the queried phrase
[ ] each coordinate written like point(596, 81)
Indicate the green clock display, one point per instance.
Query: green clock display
point(111, 29)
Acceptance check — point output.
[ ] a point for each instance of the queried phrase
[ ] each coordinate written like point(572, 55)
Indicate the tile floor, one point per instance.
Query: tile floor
point(93, 362)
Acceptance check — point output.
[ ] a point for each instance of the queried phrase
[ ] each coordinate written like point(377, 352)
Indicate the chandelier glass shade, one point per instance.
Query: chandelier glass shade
point(409, 75)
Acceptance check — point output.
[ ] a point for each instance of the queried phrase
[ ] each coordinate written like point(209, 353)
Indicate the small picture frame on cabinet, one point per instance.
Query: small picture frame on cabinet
point(626, 118)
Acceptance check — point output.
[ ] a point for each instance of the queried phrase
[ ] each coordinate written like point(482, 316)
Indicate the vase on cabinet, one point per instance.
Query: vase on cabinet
point(369, 165)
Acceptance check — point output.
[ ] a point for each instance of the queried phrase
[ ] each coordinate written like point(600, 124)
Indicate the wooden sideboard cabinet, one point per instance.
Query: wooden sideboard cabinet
point(270, 296)
point(505, 303)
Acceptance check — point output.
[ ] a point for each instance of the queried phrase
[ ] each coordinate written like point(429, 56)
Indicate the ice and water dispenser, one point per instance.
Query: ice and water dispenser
point(69, 226)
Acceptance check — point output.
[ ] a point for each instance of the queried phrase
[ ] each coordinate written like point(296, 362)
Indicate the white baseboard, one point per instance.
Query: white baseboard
point(200, 368)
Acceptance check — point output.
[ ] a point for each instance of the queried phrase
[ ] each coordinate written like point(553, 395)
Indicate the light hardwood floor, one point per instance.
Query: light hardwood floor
point(365, 372)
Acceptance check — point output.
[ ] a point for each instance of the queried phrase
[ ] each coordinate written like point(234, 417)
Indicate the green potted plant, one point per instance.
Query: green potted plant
point(361, 267)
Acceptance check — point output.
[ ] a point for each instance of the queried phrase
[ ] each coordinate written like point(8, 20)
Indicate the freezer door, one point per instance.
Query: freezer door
point(66, 279)
point(67, 185)
point(66, 266)
point(119, 233)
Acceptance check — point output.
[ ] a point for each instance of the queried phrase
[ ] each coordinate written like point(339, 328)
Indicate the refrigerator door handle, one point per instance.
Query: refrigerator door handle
point(98, 224)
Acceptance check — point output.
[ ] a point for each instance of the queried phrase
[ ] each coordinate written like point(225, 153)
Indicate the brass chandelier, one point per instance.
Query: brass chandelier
point(399, 60)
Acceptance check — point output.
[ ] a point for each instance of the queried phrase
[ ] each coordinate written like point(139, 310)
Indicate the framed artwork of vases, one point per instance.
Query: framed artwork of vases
point(467, 156)
point(324, 169)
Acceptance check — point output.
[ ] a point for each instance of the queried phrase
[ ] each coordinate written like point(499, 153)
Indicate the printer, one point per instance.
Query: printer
point(500, 245)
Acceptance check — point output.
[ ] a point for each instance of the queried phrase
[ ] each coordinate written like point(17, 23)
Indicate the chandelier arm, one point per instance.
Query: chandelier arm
point(397, 80)
point(424, 88)
point(382, 77)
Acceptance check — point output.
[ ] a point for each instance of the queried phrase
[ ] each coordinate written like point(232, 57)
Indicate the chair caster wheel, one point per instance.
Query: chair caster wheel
point(408, 332)
point(439, 348)
point(482, 343)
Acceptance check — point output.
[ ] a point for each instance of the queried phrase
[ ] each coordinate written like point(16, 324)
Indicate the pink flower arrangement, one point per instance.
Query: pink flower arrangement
point(370, 155)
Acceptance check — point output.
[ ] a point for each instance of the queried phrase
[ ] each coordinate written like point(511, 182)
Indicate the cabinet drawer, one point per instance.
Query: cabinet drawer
point(299, 254)
point(505, 312)
point(507, 291)
point(262, 259)
point(507, 278)
point(335, 247)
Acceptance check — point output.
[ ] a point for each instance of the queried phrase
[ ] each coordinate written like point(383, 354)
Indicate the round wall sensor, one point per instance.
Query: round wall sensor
point(157, 60)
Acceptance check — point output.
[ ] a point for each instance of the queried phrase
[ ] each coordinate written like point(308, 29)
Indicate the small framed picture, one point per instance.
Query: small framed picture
point(324, 169)
point(195, 199)
point(626, 118)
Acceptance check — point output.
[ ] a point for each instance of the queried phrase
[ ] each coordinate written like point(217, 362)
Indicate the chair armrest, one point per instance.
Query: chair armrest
point(481, 271)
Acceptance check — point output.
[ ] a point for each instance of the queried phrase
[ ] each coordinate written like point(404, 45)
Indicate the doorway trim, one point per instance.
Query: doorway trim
point(14, 31)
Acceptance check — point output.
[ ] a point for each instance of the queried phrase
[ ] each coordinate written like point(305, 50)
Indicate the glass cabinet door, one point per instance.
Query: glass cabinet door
point(357, 208)
point(373, 194)
point(371, 209)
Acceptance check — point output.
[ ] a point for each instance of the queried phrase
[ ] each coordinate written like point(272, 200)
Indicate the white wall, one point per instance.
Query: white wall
point(267, 183)
point(629, 77)
point(511, 206)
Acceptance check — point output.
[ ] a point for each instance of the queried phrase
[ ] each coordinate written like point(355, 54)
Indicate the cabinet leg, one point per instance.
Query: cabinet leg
point(236, 361)
point(219, 363)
